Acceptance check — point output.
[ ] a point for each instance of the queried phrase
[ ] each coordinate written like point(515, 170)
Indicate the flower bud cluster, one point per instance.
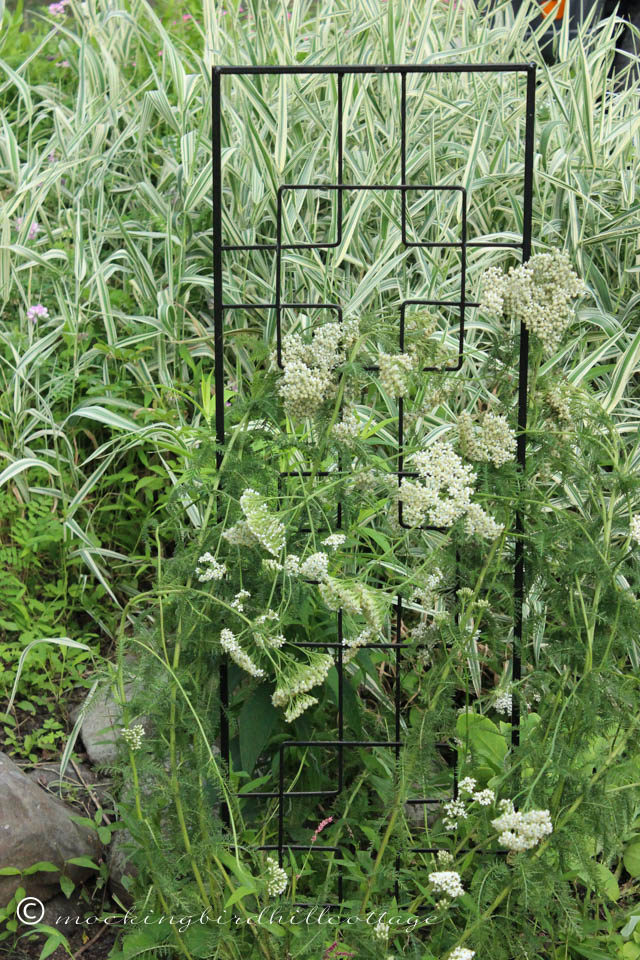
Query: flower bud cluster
point(297, 707)
point(461, 953)
point(635, 527)
point(240, 535)
point(444, 857)
point(304, 678)
point(355, 599)
point(365, 636)
point(381, 931)
point(521, 831)
point(315, 567)
point(395, 369)
point(230, 645)
point(348, 429)
point(537, 293)
point(266, 528)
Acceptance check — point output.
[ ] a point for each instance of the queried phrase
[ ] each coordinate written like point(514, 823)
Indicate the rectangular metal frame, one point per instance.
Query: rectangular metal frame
point(220, 307)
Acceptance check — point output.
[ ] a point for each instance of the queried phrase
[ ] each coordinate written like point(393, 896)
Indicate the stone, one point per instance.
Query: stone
point(102, 723)
point(119, 866)
point(34, 827)
point(72, 786)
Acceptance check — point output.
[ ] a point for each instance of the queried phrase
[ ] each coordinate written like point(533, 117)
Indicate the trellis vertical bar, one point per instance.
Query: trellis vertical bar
point(218, 348)
point(523, 377)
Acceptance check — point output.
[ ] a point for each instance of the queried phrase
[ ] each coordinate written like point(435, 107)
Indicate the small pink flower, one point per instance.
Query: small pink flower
point(160, 53)
point(37, 311)
point(34, 229)
point(53, 157)
point(63, 63)
point(320, 828)
point(186, 16)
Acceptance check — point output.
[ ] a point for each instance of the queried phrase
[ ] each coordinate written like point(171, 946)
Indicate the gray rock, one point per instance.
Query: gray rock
point(34, 827)
point(102, 724)
point(71, 785)
point(119, 866)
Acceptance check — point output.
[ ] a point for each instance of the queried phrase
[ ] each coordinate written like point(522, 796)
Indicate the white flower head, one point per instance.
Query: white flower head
point(521, 831)
point(133, 736)
point(214, 570)
point(230, 645)
point(277, 878)
point(447, 881)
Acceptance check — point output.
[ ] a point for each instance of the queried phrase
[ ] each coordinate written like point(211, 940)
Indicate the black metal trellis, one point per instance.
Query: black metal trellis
point(220, 308)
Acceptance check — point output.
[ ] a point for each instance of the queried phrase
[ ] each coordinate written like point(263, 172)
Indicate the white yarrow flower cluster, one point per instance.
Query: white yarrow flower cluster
point(315, 567)
point(444, 857)
point(238, 601)
point(503, 702)
point(461, 953)
point(352, 644)
point(635, 527)
point(133, 736)
point(381, 930)
point(298, 706)
point(348, 429)
point(395, 369)
point(304, 678)
point(467, 785)
point(521, 831)
point(444, 493)
point(447, 881)
point(493, 440)
point(230, 645)
point(485, 797)
point(277, 878)
point(455, 810)
point(266, 528)
point(215, 570)
point(537, 293)
point(308, 368)
point(334, 541)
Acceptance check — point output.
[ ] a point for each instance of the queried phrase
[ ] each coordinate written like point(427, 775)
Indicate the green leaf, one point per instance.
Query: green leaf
point(44, 866)
point(9, 872)
point(631, 859)
point(255, 723)
point(239, 894)
point(630, 926)
point(67, 886)
point(484, 738)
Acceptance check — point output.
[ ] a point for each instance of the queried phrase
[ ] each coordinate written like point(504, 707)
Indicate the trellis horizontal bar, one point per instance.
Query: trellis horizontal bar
point(266, 70)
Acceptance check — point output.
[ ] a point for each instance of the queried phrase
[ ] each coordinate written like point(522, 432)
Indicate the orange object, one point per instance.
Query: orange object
point(552, 5)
